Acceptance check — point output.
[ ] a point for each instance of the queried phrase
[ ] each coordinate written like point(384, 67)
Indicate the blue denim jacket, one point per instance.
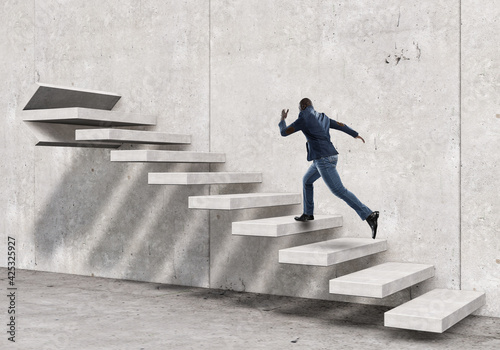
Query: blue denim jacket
point(316, 128)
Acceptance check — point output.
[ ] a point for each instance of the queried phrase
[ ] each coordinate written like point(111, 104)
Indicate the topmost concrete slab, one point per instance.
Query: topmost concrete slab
point(45, 96)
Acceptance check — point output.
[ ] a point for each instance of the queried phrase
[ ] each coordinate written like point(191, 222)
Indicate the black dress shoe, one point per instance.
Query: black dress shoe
point(304, 217)
point(372, 221)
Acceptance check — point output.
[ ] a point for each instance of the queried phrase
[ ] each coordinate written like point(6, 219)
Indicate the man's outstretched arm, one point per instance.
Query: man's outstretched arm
point(285, 131)
point(342, 127)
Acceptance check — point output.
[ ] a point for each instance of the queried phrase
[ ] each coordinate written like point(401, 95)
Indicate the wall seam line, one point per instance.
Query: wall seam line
point(460, 146)
point(35, 250)
point(34, 40)
point(209, 136)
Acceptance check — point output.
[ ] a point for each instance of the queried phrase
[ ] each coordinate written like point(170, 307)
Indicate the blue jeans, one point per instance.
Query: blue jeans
point(327, 169)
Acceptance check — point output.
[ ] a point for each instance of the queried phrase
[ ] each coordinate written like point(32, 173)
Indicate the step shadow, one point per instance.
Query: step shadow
point(81, 229)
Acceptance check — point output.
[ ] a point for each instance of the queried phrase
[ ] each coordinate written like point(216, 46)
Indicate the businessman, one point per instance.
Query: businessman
point(320, 150)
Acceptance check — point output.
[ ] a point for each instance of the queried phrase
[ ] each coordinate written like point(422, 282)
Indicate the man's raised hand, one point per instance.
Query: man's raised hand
point(284, 114)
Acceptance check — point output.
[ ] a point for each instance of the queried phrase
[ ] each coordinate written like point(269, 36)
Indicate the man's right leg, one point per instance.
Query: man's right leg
point(327, 167)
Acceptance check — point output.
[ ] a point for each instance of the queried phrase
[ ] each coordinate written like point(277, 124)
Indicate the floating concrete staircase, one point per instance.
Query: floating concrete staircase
point(244, 200)
point(284, 226)
point(161, 156)
point(62, 116)
point(203, 178)
point(435, 311)
point(382, 280)
point(332, 252)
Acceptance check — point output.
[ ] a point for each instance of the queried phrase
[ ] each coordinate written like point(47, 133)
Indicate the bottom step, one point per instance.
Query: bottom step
point(435, 311)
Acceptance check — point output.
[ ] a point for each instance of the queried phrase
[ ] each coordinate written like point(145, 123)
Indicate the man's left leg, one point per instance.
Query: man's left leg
point(310, 176)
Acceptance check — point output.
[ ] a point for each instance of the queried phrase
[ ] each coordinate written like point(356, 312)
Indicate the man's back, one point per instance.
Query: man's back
point(316, 125)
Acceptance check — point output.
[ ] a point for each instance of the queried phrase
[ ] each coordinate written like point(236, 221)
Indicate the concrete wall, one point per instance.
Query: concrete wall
point(480, 231)
point(17, 153)
point(102, 218)
point(71, 209)
point(222, 71)
point(377, 68)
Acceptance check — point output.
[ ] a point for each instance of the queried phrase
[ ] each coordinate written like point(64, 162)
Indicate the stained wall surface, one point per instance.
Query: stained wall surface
point(222, 71)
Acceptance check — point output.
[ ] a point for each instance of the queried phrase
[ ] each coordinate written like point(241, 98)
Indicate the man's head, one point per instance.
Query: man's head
point(304, 103)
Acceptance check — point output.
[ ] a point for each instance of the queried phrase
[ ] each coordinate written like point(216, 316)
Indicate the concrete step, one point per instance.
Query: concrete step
point(202, 178)
point(62, 135)
point(46, 96)
point(160, 156)
point(435, 311)
point(131, 136)
point(86, 116)
point(381, 280)
point(285, 225)
point(332, 252)
point(244, 201)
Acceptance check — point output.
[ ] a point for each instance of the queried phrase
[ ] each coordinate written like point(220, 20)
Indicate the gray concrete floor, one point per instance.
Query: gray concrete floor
point(59, 311)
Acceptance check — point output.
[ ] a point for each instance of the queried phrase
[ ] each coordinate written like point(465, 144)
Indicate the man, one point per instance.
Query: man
point(316, 128)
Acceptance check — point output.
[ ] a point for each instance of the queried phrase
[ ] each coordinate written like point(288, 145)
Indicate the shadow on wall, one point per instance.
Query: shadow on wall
point(247, 263)
point(109, 222)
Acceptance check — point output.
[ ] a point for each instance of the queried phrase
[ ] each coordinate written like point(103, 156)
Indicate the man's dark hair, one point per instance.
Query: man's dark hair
point(304, 103)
